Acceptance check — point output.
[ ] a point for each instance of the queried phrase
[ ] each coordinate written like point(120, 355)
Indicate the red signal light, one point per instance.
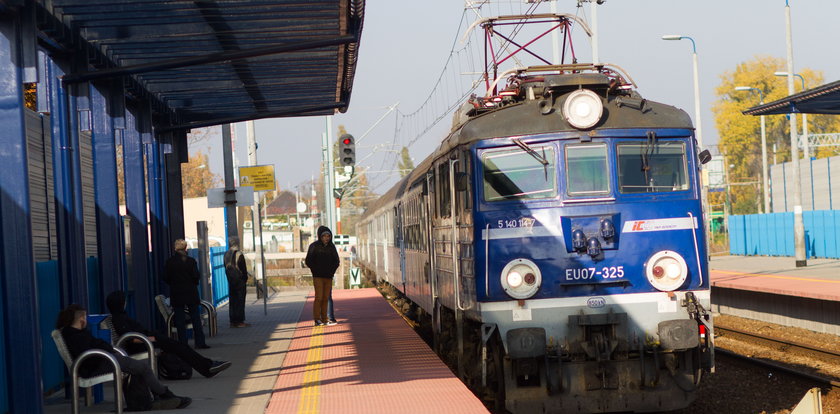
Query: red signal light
point(347, 141)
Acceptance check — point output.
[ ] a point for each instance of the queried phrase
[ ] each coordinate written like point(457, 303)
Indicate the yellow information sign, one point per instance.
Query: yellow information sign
point(261, 177)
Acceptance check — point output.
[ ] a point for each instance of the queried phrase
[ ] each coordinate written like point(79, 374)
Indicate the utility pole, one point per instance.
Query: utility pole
point(256, 220)
point(231, 227)
point(798, 223)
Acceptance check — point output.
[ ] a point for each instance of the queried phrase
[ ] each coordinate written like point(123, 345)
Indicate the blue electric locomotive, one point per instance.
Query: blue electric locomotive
point(554, 246)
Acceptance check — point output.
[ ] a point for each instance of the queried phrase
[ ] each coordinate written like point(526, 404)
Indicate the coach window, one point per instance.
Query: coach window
point(658, 167)
point(586, 170)
point(516, 174)
point(443, 190)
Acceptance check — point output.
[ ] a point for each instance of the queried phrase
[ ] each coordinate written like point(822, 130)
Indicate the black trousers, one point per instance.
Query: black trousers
point(198, 362)
point(141, 368)
point(236, 304)
point(181, 324)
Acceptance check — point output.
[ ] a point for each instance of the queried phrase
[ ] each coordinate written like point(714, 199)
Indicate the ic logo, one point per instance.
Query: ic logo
point(596, 302)
point(637, 226)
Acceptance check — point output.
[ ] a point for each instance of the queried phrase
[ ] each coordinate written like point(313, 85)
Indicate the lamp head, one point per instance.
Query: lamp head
point(672, 37)
point(743, 88)
point(780, 73)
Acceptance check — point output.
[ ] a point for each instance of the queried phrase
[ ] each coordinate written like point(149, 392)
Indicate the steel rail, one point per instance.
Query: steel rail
point(779, 367)
point(722, 329)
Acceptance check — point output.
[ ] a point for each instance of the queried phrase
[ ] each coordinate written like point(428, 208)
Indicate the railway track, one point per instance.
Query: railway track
point(783, 345)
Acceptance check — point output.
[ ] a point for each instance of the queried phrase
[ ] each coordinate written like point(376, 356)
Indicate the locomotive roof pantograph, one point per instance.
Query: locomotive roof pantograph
point(535, 95)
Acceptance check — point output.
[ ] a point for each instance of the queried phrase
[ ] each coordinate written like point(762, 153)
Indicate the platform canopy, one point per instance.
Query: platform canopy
point(209, 62)
point(823, 99)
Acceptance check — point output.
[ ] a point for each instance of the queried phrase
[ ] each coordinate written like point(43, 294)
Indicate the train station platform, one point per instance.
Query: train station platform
point(773, 289)
point(371, 362)
point(778, 275)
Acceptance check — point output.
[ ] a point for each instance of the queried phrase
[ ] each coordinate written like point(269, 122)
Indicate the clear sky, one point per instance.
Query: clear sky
point(405, 45)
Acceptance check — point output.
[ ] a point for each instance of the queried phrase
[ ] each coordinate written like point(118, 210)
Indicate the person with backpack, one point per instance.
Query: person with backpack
point(123, 324)
point(322, 260)
point(72, 322)
point(181, 274)
point(237, 276)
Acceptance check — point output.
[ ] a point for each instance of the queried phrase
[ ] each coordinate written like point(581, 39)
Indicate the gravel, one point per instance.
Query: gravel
point(738, 387)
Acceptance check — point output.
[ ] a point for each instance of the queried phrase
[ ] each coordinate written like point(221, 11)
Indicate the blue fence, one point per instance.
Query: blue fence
point(217, 272)
point(772, 234)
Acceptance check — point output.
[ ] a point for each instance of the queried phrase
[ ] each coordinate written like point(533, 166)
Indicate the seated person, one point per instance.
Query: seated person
point(72, 321)
point(123, 324)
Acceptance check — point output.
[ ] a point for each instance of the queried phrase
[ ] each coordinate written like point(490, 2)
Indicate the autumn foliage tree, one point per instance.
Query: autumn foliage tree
point(196, 176)
point(740, 135)
point(405, 163)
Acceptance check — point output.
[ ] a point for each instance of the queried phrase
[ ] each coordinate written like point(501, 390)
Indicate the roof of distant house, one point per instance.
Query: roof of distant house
point(284, 203)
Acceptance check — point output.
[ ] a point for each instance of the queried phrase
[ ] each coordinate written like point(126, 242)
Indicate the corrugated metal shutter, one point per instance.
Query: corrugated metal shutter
point(41, 187)
point(88, 193)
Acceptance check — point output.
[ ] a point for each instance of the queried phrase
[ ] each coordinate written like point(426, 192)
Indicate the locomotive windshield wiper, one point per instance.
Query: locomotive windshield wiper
point(527, 148)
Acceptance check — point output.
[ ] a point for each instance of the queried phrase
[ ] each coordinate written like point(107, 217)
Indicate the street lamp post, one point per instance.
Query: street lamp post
point(764, 179)
point(697, 125)
point(805, 143)
point(798, 223)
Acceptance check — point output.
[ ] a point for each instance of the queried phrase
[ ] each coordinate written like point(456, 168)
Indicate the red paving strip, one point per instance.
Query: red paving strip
point(372, 362)
point(813, 288)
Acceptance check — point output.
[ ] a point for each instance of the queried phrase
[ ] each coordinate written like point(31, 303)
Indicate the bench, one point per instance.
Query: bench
point(88, 382)
point(169, 316)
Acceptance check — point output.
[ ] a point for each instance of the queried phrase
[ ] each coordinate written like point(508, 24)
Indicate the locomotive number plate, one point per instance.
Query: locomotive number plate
point(589, 273)
point(526, 222)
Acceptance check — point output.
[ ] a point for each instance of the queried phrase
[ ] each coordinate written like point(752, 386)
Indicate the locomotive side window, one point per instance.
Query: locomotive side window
point(516, 174)
point(646, 168)
point(443, 190)
point(586, 169)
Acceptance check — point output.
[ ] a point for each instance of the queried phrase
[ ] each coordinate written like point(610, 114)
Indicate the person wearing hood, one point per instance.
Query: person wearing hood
point(72, 322)
point(322, 259)
point(181, 274)
point(123, 324)
point(236, 272)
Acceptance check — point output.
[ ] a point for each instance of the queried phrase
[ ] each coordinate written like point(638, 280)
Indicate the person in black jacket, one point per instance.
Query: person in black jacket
point(123, 324)
point(72, 321)
point(181, 274)
point(322, 259)
point(236, 272)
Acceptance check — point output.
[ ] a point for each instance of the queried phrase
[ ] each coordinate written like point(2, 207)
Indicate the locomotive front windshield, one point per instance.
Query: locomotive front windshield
point(516, 174)
point(656, 167)
point(586, 169)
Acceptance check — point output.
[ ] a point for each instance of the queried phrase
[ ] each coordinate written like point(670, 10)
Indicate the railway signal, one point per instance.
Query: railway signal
point(347, 150)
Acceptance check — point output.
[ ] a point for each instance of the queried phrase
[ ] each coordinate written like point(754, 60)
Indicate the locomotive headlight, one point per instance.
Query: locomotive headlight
point(666, 270)
point(521, 278)
point(583, 109)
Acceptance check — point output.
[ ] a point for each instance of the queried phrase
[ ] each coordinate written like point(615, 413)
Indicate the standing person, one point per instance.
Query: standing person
point(123, 324)
point(322, 259)
point(181, 274)
point(72, 321)
point(237, 276)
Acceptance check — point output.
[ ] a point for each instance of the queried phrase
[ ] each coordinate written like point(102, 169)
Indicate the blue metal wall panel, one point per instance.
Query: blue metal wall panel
point(49, 304)
point(20, 364)
point(736, 235)
point(160, 234)
point(66, 177)
point(135, 200)
point(833, 244)
point(111, 246)
point(94, 286)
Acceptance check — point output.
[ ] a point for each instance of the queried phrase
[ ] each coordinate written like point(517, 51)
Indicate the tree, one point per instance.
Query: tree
point(740, 135)
point(405, 164)
point(196, 176)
